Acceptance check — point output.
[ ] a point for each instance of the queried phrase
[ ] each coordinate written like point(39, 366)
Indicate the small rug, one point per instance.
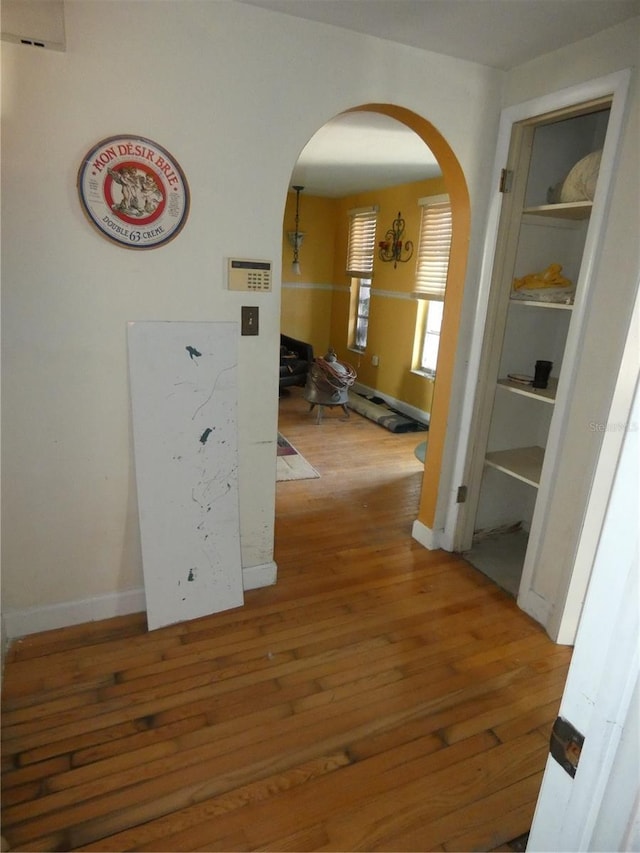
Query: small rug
point(421, 451)
point(291, 465)
point(376, 410)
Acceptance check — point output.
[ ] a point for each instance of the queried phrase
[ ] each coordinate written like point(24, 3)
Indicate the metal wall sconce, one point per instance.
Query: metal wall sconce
point(392, 247)
point(296, 237)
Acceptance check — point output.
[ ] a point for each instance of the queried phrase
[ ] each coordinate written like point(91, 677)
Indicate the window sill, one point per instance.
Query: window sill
point(356, 350)
point(423, 374)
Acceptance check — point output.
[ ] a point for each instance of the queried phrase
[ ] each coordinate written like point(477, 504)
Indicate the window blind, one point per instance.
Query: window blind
point(362, 240)
point(434, 248)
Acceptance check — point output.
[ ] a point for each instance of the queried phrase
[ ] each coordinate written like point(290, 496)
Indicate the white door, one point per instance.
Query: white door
point(598, 808)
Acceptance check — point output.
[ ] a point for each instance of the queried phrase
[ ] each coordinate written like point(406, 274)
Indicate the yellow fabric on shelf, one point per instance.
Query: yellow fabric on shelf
point(551, 277)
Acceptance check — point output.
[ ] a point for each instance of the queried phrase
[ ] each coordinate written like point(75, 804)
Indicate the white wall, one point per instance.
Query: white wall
point(234, 93)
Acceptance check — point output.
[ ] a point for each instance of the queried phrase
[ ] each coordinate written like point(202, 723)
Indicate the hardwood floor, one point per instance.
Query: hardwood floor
point(378, 697)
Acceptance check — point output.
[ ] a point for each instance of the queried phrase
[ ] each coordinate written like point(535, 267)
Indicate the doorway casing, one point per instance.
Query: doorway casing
point(561, 616)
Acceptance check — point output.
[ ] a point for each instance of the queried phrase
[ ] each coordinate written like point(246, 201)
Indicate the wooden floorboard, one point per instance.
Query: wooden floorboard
point(378, 697)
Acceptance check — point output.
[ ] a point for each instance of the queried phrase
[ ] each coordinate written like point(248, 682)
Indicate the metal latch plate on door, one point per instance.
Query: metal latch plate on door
point(566, 745)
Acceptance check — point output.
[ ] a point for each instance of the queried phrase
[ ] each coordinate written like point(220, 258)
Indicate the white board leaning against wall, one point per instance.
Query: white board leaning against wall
point(183, 379)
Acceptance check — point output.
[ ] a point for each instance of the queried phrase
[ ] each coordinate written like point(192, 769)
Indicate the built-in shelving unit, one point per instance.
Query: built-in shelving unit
point(562, 306)
point(523, 463)
point(517, 417)
point(576, 210)
point(545, 395)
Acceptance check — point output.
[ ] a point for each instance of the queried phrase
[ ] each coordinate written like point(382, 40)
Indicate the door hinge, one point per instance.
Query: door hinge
point(461, 495)
point(565, 745)
point(506, 180)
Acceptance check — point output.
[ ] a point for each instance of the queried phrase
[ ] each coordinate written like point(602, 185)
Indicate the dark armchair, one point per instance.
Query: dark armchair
point(296, 357)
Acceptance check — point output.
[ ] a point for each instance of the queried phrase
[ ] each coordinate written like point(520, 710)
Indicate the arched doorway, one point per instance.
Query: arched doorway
point(456, 188)
point(459, 195)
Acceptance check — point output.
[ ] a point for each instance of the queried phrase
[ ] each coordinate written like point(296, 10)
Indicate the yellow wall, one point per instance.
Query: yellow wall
point(307, 298)
point(306, 315)
point(318, 223)
point(322, 316)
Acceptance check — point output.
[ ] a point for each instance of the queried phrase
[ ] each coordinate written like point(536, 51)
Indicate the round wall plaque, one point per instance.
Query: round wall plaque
point(133, 191)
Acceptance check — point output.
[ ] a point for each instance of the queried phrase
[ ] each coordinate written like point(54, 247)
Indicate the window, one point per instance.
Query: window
point(360, 251)
point(431, 338)
point(362, 313)
point(431, 277)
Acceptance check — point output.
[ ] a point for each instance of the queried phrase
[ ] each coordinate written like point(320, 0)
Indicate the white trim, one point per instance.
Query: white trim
point(429, 375)
point(345, 288)
point(255, 577)
point(390, 294)
point(370, 208)
point(584, 813)
point(433, 199)
point(615, 83)
point(308, 285)
point(429, 539)
point(427, 297)
point(402, 407)
point(33, 620)
point(565, 620)
point(293, 285)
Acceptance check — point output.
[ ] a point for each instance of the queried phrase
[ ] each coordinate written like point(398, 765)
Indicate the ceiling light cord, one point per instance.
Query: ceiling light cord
point(297, 236)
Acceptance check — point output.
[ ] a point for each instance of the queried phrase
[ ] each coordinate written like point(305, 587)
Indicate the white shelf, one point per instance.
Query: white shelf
point(571, 210)
point(532, 303)
point(546, 395)
point(523, 463)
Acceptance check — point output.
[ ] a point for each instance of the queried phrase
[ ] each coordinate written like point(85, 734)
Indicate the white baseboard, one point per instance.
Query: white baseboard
point(425, 536)
point(406, 409)
point(254, 577)
point(32, 620)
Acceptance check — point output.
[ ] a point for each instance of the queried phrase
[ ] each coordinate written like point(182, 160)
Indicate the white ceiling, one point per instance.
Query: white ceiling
point(359, 151)
point(499, 33)
point(362, 151)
